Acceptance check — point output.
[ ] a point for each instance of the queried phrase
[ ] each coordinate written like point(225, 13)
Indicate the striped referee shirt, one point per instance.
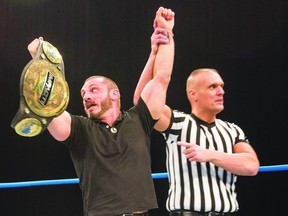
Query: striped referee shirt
point(200, 186)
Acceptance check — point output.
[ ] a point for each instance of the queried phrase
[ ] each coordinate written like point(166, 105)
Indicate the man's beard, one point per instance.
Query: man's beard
point(106, 104)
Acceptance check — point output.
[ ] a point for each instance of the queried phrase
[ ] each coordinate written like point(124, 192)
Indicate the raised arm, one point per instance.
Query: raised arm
point(165, 21)
point(154, 91)
point(158, 37)
point(60, 126)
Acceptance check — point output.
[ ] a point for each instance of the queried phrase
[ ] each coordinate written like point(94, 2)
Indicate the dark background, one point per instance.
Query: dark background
point(245, 40)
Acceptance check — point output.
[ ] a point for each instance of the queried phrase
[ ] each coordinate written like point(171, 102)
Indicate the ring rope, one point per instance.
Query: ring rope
point(272, 168)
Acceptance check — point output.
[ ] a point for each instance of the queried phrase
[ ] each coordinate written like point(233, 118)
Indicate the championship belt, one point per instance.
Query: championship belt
point(44, 92)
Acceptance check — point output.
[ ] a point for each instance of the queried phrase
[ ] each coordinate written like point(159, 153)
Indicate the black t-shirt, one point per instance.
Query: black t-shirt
point(114, 163)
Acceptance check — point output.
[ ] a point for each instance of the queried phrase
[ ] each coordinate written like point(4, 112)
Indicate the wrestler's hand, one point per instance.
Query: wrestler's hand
point(33, 46)
point(158, 37)
point(165, 18)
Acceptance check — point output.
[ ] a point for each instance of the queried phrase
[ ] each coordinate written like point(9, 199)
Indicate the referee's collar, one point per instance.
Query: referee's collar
point(200, 121)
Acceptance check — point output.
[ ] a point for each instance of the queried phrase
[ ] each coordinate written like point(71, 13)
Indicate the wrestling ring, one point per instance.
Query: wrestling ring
point(271, 168)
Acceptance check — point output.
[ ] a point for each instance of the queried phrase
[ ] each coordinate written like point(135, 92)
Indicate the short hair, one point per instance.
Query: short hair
point(197, 72)
point(109, 82)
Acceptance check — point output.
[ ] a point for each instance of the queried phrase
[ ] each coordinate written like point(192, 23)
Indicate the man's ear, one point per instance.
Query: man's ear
point(114, 94)
point(192, 94)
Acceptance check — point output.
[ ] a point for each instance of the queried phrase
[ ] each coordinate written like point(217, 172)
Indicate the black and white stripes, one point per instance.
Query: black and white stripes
point(200, 186)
